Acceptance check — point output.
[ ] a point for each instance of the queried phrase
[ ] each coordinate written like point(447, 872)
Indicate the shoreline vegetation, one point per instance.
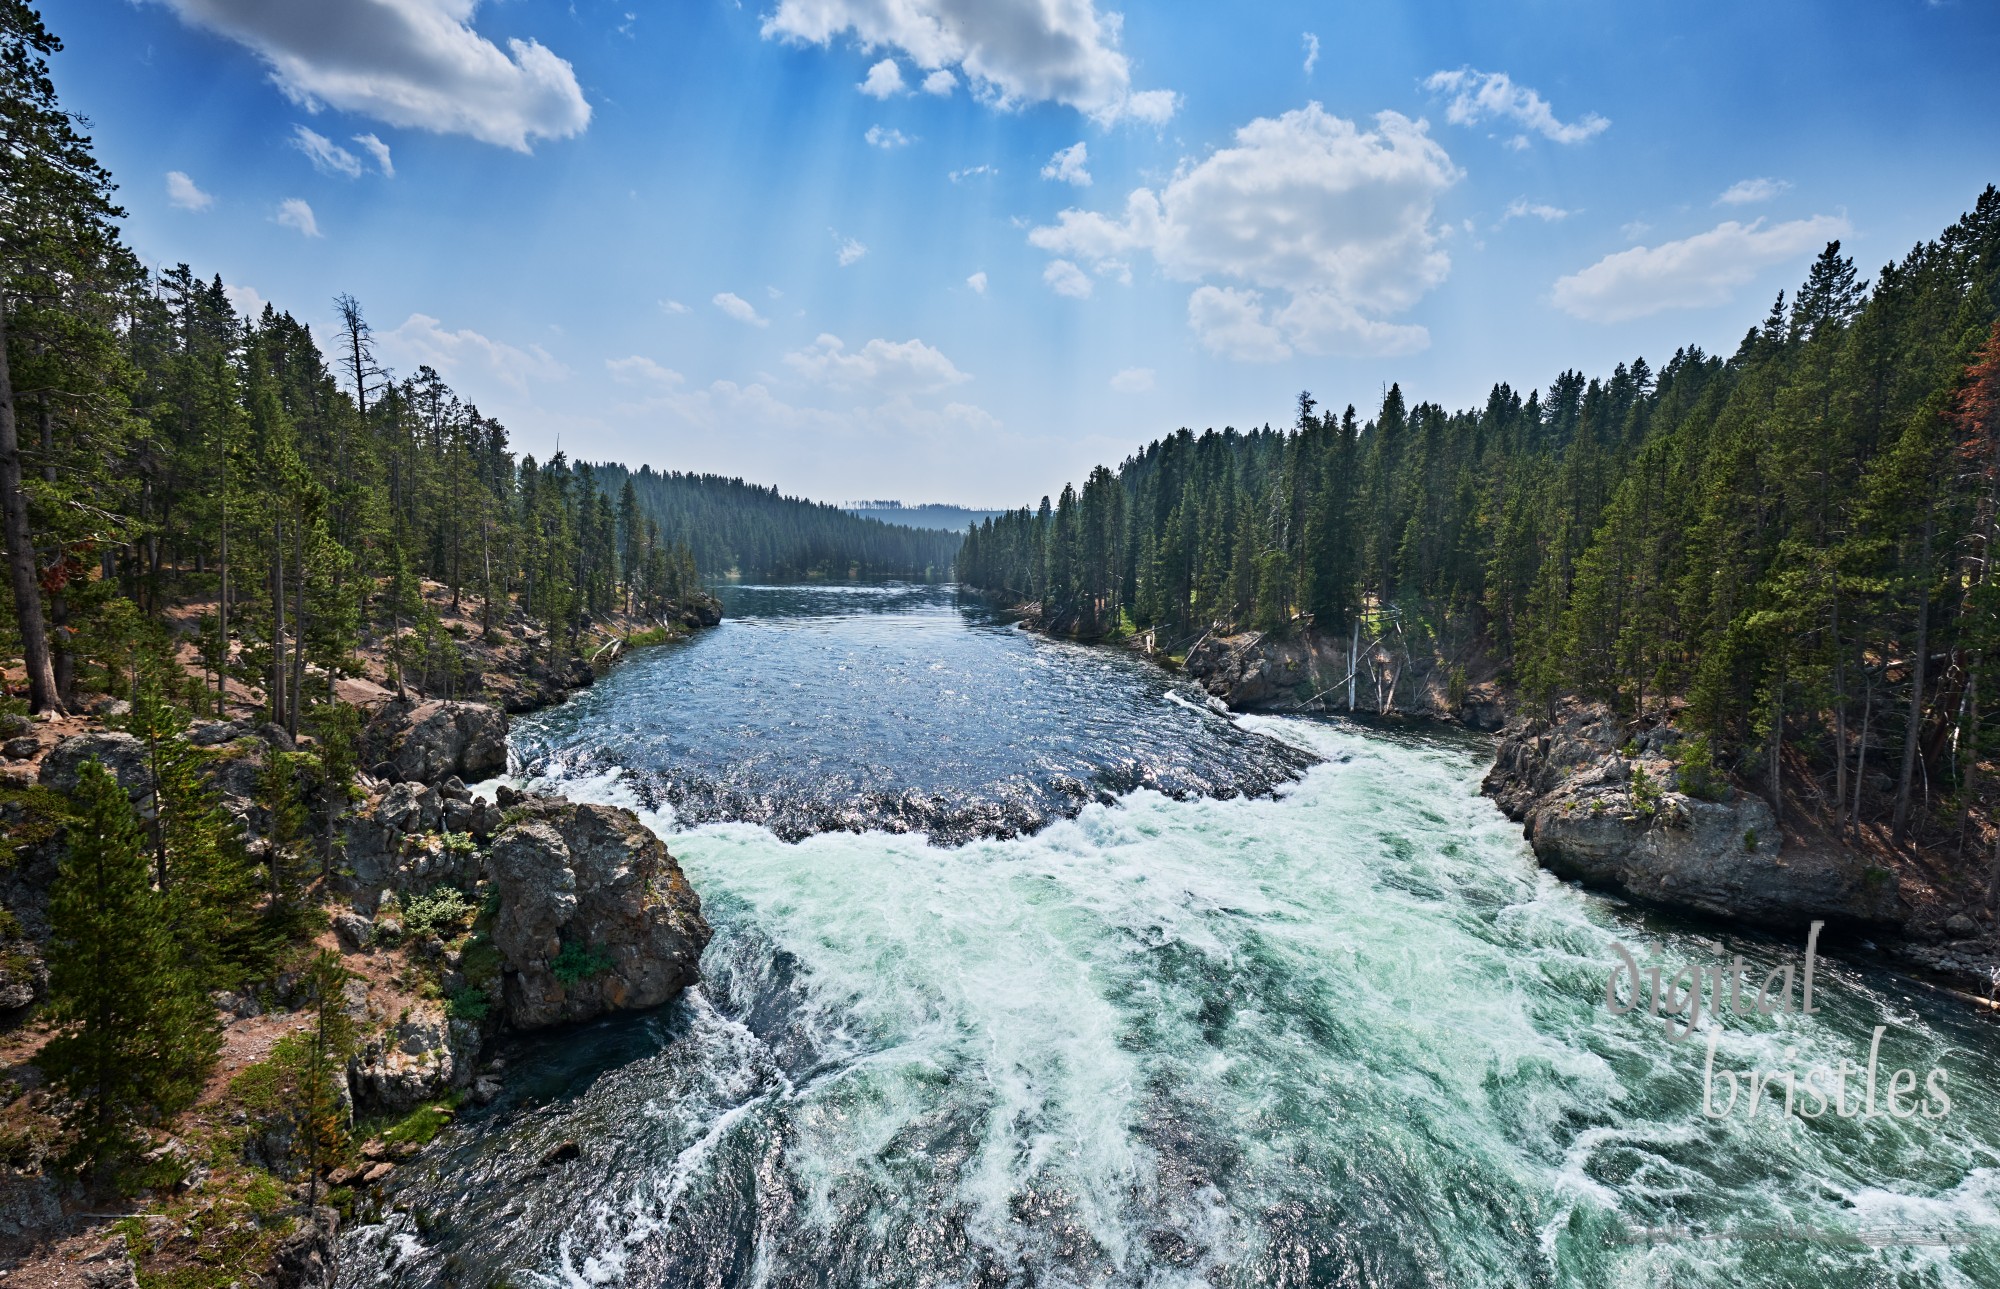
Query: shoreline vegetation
point(1736, 617)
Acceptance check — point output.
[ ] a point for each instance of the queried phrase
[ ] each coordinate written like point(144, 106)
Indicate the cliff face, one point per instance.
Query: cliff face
point(1306, 672)
point(1628, 823)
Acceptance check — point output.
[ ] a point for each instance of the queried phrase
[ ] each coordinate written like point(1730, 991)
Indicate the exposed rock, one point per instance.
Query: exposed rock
point(14, 725)
point(1590, 816)
point(20, 749)
point(1305, 672)
point(422, 1057)
point(1960, 925)
point(110, 1268)
point(595, 915)
point(354, 931)
point(120, 753)
point(24, 977)
point(431, 741)
point(305, 1259)
point(214, 733)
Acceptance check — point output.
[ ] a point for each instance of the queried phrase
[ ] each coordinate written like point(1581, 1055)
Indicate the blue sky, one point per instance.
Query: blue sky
point(962, 250)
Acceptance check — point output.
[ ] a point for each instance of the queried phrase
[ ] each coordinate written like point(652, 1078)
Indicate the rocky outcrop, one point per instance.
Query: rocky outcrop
point(121, 754)
point(1616, 814)
point(419, 1058)
point(400, 839)
point(432, 741)
point(594, 917)
point(1304, 672)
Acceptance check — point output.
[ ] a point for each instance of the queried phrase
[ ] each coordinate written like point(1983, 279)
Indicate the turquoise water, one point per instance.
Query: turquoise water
point(1344, 1033)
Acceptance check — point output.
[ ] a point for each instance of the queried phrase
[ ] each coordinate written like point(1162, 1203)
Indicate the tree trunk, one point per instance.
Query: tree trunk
point(65, 661)
point(298, 627)
point(1776, 775)
point(1913, 727)
point(43, 696)
point(275, 700)
point(1861, 752)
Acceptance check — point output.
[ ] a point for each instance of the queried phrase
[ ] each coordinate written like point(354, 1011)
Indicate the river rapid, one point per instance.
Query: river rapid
point(1031, 970)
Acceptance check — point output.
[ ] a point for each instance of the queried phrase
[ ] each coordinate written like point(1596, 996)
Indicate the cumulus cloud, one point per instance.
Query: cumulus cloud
point(888, 368)
point(293, 212)
point(1480, 96)
point(1335, 216)
point(884, 79)
point(940, 83)
point(423, 340)
point(1011, 52)
point(1065, 278)
point(1133, 380)
point(182, 193)
point(327, 157)
point(1749, 192)
point(850, 250)
point(246, 300)
point(977, 282)
point(1068, 165)
point(887, 137)
point(1693, 273)
point(414, 63)
point(735, 306)
point(1311, 45)
point(379, 150)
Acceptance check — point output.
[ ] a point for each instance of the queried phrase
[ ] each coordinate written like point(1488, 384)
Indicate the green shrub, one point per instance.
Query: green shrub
point(423, 1124)
point(442, 912)
point(1750, 839)
point(1645, 793)
point(469, 1003)
point(1696, 773)
point(576, 962)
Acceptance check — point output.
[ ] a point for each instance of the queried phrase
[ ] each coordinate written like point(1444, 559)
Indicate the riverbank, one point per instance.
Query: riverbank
point(1609, 803)
point(457, 920)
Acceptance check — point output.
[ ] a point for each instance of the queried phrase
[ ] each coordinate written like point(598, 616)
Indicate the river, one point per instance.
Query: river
point(1031, 970)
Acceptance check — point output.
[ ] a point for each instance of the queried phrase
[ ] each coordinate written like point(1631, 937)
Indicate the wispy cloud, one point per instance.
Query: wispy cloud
point(293, 212)
point(1068, 166)
point(977, 282)
point(673, 306)
point(1693, 273)
point(1478, 96)
point(973, 172)
point(1065, 278)
point(1133, 380)
point(887, 137)
point(327, 157)
point(1311, 43)
point(735, 306)
point(1522, 208)
point(379, 150)
point(849, 250)
point(1749, 192)
point(182, 193)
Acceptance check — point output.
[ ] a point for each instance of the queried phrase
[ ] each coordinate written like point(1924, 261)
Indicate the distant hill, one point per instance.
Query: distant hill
point(930, 515)
point(758, 533)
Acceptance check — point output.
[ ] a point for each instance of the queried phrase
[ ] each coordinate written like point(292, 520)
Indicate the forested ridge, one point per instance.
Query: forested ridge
point(1787, 549)
point(754, 532)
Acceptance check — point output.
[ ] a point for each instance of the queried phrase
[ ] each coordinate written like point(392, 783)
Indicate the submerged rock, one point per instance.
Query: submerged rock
point(1624, 823)
point(595, 915)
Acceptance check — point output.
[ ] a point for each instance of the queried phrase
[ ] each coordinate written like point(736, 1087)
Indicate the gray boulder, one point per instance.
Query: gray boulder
point(595, 916)
point(422, 1057)
point(433, 741)
point(120, 753)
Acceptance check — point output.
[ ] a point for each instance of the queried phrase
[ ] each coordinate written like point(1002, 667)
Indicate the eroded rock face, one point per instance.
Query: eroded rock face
point(423, 1056)
point(595, 915)
point(433, 741)
point(1302, 671)
point(1623, 823)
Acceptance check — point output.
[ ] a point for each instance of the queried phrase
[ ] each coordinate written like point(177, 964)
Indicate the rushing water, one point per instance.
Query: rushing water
point(1333, 1029)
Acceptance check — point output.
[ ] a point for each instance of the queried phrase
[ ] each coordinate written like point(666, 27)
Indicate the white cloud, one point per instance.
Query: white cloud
point(887, 137)
point(1693, 273)
point(246, 300)
point(182, 193)
point(735, 306)
point(1477, 96)
point(1011, 52)
point(1133, 380)
point(673, 306)
point(294, 213)
point(415, 63)
point(640, 370)
point(379, 150)
point(327, 157)
point(1521, 208)
point(1311, 45)
point(1337, 217)
point(972, 172)
point(977, 282)
point(850, 250)
point(940, 83)
point(1068, 165)
point(884, 79)
point(423, 340)
point(888, 368)
point(1065, 278)
point(1748, 192)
